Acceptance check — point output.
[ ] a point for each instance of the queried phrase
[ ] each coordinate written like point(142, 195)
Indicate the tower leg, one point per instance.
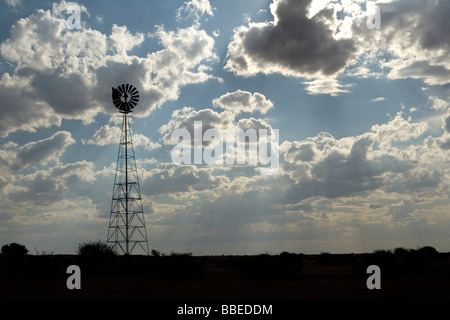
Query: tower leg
point(127, 230)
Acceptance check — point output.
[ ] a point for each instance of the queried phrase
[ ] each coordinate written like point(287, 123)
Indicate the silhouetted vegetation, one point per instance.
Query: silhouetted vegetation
point(155, 253)
point(95, 249)
point(14, 249)
point(285, 266)
point(326, 258)
point(177, 266)
point(400, 262)
point(39, 252)
point(405, 273)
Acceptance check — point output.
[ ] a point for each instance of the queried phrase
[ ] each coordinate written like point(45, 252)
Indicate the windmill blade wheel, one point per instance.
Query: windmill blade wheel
point(125, 97)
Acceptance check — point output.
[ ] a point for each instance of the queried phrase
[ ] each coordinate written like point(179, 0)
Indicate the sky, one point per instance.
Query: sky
point(359, 99)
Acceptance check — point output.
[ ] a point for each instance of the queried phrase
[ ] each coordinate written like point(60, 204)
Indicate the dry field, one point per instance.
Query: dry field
point(285, 277)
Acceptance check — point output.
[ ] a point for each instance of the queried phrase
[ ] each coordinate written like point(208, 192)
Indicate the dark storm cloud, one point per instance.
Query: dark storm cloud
point(429, 19)
point(292, 44)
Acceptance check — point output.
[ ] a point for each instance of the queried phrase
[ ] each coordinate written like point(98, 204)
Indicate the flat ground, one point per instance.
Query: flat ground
point(222, 278)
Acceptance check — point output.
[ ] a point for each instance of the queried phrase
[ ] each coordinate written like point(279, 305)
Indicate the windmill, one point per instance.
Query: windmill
point(126, 229)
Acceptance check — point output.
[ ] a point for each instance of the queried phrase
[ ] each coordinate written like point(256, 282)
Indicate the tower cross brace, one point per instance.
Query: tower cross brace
point(127, 230)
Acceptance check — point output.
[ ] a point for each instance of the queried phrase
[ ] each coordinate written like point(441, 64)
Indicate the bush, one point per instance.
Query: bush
point(400, 262)
point(95, 249)
point(14, 249)
point(156, 253)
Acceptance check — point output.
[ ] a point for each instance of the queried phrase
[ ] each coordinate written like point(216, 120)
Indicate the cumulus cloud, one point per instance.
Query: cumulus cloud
point(186, 117)
point(123, 41)
point(143, 141)
point(195, 9)
point(292, 44)
point(320, 167)
point(108, 135)
point(37, 153)
point(323, 40)
point(243, 101)
point(415, 34)
point(326, 167)
point(64, 74)
point(323, 166)
point(398, 129)
point(444, 140)
point(446, 122)
point(213, 138)
point(438, 104)
point(48, 188)
point(297, 151)
point(171, 179)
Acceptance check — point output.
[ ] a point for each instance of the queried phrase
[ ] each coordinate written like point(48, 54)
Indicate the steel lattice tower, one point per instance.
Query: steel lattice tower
point(126, 223)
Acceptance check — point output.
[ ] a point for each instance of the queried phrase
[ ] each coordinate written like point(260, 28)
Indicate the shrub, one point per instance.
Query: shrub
point(95, 249)
point(14, 249)
point(155, 253)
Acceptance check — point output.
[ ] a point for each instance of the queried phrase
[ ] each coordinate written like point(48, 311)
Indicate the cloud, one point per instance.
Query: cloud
point(398, 129)
point(37, 153)
point(292, 44)
point(123, 41)
point(107, 135)
point(246, 143)
point(401, 210)
point(444, 140)
point(64, 74)
point(323, 40)
point(326, 86)
point(174, 180)
point(415, 35)
point(243, 101)
point(13, 3)
point(195, 9)
point(379, 99)
point(49, 188)
point(297, 152)
point(438, 104)
point(27, 114)
point(185, 118)
point(446, 122)
point(141, 140)
point(375, 206)
point(323, 166)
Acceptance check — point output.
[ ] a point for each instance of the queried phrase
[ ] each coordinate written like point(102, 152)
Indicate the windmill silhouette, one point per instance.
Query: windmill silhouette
point(126, 229)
